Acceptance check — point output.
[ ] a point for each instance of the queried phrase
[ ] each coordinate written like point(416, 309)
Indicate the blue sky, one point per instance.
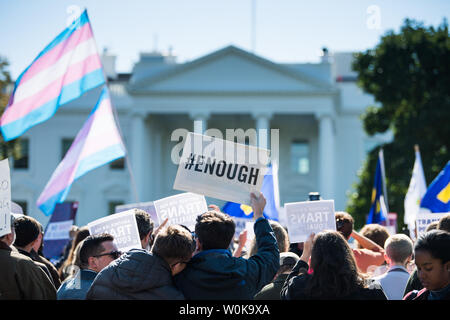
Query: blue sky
point(286, 30)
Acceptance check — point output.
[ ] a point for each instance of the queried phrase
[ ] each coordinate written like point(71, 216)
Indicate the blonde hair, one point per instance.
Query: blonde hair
point(398, 247)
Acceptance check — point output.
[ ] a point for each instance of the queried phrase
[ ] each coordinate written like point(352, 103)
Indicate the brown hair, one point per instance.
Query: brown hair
point(280, 234)
point(444, 223)
point(214, 230)
point(335, 271)
point(144, 223)
point(375, 232)
point(174, 243)
point(27, 230)
point(81, 234)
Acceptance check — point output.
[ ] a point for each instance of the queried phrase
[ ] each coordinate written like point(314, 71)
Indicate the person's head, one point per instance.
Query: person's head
point(398, 249)
point(145, 227)
point(444, 223)
point(28, 233)
point(280, 234)
point(175, 245)
point(375, 232)
point(287, 262)
point(214, 230)
point(97, 251)
point(344, 223)
point(9, 238)
point(335, 270)
point(432, 226)
point(432, 258)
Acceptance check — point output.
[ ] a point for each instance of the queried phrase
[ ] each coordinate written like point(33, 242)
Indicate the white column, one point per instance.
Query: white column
point(326, 155)
point(138, 143)
point(263, 129)
point(200, 122)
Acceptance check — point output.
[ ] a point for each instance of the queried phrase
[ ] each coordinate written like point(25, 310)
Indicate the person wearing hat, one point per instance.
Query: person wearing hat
point(272, 290)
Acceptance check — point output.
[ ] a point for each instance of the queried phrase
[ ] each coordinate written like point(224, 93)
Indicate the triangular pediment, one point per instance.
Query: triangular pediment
point(229, 70)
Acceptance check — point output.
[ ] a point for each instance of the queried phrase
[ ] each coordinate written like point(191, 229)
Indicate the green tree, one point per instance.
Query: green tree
point(408, 74)
point(10, 148)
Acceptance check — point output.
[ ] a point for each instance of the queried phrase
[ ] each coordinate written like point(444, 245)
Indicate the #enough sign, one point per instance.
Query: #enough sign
point(304, 218)
point(221, 169)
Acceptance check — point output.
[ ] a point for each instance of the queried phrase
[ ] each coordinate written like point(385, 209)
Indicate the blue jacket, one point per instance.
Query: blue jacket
point(76, 287)
point(217, 275)
point(136, 275)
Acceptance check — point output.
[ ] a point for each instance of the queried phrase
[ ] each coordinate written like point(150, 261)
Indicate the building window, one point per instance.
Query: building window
point(23, 161)
point(300, 157)
point(65, 146)
point(118, 164)
point(23, 204)
point(112, 206)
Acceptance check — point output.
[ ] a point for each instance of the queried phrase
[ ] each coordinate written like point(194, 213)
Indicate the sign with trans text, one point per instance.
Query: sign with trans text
point(220, 168)
point(424, 219)
point(122, 226)
point(304, 218)
point(181, 209)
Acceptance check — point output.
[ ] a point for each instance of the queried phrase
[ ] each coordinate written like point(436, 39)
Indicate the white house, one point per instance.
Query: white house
point(315, 106)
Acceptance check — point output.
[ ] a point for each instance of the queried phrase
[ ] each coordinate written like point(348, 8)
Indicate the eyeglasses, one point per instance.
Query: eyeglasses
point(113, 254)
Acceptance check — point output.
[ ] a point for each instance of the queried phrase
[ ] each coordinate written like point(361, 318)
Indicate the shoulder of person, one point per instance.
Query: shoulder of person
point(417, 294)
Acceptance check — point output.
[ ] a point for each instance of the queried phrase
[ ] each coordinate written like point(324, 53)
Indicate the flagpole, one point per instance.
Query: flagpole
point(116, 119)
point(381, 156)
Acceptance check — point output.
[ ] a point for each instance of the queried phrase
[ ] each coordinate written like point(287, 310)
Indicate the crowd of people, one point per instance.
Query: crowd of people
point(209, 263)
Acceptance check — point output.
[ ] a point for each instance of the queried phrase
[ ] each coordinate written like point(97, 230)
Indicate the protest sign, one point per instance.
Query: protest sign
point(148, 207)
point(5, 198)
point(56, 234)
point(181, 209)
point(221, 169)
point(122, 226)
point(304, 218)
point(424, 219)
point(16, 209)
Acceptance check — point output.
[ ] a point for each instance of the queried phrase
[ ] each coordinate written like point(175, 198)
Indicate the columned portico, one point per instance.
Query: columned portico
point(262, 122)
point(326, 155)
point(138, 132)
point(200, 122)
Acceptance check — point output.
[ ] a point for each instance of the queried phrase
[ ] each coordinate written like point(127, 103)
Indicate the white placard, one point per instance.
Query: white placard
point(424, 219)
point(122, 226)
point(304, 218)
point(5, 198)
point(148, 207)
point(58, 230)
point(220, 168)
point(181, 209)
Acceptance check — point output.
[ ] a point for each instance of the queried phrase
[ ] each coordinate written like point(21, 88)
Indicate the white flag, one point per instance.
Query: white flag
point(416, 190)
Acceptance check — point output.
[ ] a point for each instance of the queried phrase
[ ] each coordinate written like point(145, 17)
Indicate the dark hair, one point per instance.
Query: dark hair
point(27, 230)
point(214, 230)
point(144, 223)
point(344, 223)
point(172, 243)
point(280, 234)
point(80, 235)
point(335, 271)
point(92, 246)
point(437, 243)
point(375, 232)
point(444, 223)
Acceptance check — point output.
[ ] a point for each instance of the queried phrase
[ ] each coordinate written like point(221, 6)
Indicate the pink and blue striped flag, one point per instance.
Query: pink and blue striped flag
point(97, 143)
point(68, 67)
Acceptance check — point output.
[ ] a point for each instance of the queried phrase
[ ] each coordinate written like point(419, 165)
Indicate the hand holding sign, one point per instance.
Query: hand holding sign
point(258, 203)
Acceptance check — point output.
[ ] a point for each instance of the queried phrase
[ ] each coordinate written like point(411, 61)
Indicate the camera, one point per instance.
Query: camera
point(314, 196)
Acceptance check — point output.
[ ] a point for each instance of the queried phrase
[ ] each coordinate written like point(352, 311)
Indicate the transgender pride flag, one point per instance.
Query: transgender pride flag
point(68, 67)
point(97, 143)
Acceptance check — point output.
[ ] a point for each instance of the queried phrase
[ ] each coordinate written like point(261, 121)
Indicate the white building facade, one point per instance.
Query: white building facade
point(315, 106)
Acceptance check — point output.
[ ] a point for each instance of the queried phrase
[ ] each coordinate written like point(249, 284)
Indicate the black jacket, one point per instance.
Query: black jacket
point(137, 274)
point(217, 275)
point(295, 284)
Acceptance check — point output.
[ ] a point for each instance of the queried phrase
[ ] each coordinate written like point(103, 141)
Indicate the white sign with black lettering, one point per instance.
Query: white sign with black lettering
point(424, 219)
point(122, 226)
point(220, 168)
point(304, 218)
point(5, 198)
point(181, 209)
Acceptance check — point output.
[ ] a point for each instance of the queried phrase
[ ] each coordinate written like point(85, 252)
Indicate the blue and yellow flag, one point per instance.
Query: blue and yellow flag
point(437, 197)
point(270, 191)
point(378, 212)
